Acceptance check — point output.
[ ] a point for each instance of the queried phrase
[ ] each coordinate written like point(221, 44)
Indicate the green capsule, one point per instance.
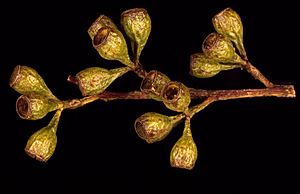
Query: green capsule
point(95, 80)
point(137, 25)
point(203, 67)
point(153, 83)
point(100, 22)
point(176, 96)
point(41, 145)
point(153, 127)
point(35, 106)
point(26, 80)
point(220, 49)
point(111, 45)
point(229, 24)
point(184, 153)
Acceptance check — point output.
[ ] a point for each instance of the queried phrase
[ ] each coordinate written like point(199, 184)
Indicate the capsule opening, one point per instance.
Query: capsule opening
point(23, 107)
point(171, 92)
point(101, 36)
point(140, 130)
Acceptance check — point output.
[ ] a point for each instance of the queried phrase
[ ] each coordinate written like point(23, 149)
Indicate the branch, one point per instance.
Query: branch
point(215, 95)
point(286, 91)
point(276, 91)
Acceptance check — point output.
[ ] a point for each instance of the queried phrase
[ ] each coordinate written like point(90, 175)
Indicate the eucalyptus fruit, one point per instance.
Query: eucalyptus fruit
point(184, 153)
point(95, 80)
point(137, 25)
point(153, 127)
point(220, 49)
point(41, 145)
point(109, 41)
point(229, 24)
point(26, 80)
point(204, 67)
point(176, 96)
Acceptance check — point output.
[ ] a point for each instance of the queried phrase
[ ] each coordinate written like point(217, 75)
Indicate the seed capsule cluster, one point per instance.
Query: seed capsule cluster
point(35, 103)
point(221, 50)
point(218, 48)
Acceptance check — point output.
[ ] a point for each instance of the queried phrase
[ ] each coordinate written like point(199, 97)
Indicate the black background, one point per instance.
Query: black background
point(245, 146)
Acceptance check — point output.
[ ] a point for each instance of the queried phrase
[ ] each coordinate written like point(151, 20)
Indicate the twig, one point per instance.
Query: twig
point(214, 95)
point(257, 74)
point(276, 91)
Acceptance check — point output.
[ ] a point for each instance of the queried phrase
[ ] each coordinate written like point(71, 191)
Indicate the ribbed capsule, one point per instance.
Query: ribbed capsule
point(184, 153)
point(137, 25)
point(176, 96)
point(229, 24)
point(153, 127)
point(41, 145)
point(95, 80)
point(26, 80)
point(220, 49)
point(35, 106)
point(109, 42)
point(153, 83)
point(203, 67)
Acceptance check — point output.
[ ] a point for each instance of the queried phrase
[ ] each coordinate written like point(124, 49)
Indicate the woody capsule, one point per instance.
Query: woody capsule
point(41, 145)
point(204, 67)
point(109, 41)
point(137, 26)
point(27, 80)
point(94, 80)
point(184, 153)
point(229, 24)
point(153, 127)
point(220, 49)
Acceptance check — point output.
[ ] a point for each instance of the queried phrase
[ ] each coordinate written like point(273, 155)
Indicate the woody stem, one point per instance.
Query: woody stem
point(214, 95)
